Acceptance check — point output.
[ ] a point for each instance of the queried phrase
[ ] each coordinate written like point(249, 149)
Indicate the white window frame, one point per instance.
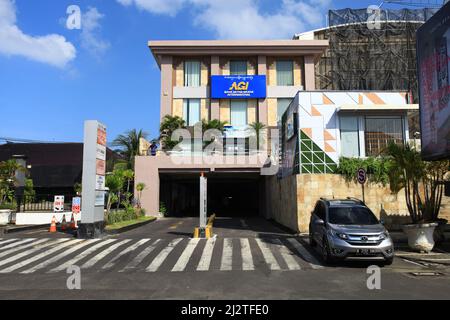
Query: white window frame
point(199, 75)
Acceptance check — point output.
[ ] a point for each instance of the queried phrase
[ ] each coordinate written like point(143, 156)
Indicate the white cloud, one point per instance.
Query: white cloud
point(51, 49)
point(243, 19)
point(90, 39)
point(168, 7)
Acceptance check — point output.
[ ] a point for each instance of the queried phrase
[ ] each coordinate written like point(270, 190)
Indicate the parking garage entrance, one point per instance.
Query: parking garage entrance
point(230, 194)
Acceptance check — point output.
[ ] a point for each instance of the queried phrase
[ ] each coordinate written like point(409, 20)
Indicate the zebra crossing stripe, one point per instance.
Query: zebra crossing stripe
point(287, 255)
point(6, 241)
point(313, 262)
point(111, 262)
point(205, 260)
point(18, 243)
point(159, 259)
point(247, 259)
point(30, 251)
point(227, 255)
point(39, 256)
point(80, 256)
point(60, 256)
point(103, 254)
point(141, 256)
point(186, 255)
point(7, 252)
point(268, 255)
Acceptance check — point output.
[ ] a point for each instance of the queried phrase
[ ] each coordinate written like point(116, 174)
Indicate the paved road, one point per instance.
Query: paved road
point(249, 258)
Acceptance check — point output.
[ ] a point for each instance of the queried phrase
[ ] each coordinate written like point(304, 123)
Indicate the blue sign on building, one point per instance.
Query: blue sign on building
point(239, 87)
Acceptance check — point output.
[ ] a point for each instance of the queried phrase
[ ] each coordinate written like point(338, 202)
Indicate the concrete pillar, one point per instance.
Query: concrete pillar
point(166, 85)
point(262, 103)
point(146, 171)
point(310, 78)
point(215, 70)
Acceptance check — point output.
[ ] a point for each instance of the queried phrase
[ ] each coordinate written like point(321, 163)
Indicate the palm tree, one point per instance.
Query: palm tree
point(422, 181)
point(258, 128)
point(128, 144)
point(214, 124)
point(167, 127)
point(139, 188)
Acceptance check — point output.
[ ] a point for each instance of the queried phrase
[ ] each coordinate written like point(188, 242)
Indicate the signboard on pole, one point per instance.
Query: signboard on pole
point(93, 188)
point(361, 175)
point(76, 205)
point(203, 201)
point(58, 204)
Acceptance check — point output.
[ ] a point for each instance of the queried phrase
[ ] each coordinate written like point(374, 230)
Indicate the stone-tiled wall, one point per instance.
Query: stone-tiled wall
point(310, 187)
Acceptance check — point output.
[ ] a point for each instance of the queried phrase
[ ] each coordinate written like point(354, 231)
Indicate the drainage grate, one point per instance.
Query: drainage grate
point(426, 274)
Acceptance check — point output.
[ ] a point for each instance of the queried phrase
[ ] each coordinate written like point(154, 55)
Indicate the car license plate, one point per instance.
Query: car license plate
point(366, 252)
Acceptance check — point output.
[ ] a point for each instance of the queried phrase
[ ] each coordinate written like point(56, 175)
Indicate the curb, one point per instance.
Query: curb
point(130, 227)
point(6, 230)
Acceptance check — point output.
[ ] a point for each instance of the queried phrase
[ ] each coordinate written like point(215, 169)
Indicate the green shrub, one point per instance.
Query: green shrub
point(377, 168)
point(162, 209)
point(5, 206)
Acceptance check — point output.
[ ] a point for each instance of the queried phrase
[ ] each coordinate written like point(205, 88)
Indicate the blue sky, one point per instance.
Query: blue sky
point(53, 78)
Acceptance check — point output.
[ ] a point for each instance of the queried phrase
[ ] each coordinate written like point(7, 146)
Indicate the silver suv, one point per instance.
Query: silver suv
point(348, 230)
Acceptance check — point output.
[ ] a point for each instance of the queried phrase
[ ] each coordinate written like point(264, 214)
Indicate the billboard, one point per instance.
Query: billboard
point(433, 51)
point(239, 87)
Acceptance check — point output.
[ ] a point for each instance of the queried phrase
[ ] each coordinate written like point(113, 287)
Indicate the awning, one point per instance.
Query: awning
point(377, 107)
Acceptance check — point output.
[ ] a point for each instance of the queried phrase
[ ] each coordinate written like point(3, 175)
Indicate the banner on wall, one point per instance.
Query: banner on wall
point(433, 52)
point(238, 87)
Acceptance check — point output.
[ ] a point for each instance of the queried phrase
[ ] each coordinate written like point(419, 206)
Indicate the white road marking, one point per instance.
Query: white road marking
point(91, 262)
point(5, 253)
point(205, 260)
point(39, 256)
point(287, 255)
point(80, 256)
point(186, 255)
point(247, 259)
point(7, 241)
point(313, 262)
point(141, 256)
point(159, 259)
point(133, 247)
point(60, 256)
point(227, 255)
point(12, 245)
point(268, 255)
point(30, 251)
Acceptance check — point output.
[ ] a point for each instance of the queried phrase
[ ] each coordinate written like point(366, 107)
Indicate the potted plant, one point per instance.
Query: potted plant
point(5, 212)
point(423, 185)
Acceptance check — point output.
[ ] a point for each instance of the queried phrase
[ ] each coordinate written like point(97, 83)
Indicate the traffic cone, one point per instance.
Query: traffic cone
point(73, 223)
point(63, 223)
point(53, 225)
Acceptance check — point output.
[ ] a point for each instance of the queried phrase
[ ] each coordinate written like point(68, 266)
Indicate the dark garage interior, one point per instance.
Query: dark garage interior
point(230, 194)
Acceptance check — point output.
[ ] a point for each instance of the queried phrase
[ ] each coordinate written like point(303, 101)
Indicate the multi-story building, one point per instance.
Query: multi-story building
point(196, 84)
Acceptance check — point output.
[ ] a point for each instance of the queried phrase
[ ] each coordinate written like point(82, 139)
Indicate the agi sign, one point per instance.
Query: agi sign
point(238, 87)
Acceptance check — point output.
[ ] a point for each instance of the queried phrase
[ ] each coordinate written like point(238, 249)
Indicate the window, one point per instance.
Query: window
point(282, 105)
point(285, 73)
point(191, 111)
point(380, 131)
point(238, 67)
point(349, 136)
point(192, 73)
point(238, 113)
point(352, 216)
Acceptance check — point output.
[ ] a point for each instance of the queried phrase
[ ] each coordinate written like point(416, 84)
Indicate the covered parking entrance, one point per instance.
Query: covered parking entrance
point(231, 193)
